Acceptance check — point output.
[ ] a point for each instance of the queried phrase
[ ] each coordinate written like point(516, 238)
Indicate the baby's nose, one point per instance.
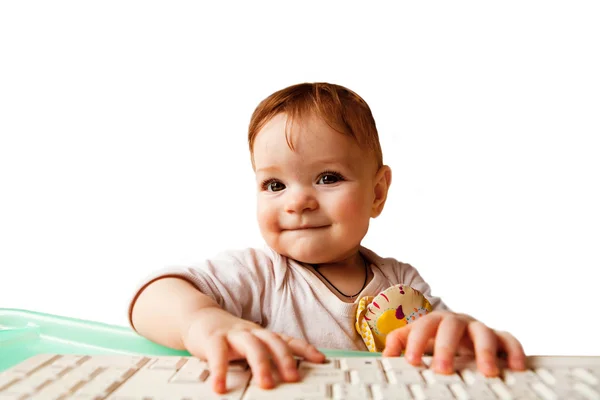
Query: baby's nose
point(300, 201)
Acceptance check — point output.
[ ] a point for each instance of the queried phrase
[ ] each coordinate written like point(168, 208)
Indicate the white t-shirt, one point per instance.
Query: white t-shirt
point(283, 296)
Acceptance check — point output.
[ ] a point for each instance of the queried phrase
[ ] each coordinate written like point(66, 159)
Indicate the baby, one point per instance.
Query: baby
point(320, 178)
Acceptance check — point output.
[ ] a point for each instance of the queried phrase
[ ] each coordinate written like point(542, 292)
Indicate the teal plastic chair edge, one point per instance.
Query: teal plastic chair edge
point(100, 337)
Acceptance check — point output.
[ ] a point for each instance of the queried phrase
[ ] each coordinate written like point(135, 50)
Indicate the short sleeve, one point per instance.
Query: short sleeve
point(408, 275)
point(235, 279)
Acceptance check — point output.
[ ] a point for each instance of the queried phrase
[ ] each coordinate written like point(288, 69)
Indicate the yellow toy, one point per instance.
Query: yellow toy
point(393, 308)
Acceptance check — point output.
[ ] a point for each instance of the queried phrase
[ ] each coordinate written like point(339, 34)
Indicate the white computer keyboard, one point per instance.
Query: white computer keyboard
point(124, 377)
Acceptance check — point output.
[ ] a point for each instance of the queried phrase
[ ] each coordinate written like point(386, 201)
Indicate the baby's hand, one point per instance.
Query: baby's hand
point(450, 333)
point(219, 337)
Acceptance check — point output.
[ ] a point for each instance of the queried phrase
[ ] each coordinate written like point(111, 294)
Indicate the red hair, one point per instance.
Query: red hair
point(342, 109)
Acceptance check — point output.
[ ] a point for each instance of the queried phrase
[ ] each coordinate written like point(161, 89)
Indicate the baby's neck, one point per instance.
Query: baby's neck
point(352, 264)
point(345, 278)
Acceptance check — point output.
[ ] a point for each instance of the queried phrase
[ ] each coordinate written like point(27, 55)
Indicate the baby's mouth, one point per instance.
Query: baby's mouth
point(306, 227)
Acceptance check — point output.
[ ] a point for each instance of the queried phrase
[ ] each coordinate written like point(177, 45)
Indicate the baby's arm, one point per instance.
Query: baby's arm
point(172, 312)
point(164, 308)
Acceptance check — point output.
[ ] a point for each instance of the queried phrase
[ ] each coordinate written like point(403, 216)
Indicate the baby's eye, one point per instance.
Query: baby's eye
point(330, 177)
point(273, 186)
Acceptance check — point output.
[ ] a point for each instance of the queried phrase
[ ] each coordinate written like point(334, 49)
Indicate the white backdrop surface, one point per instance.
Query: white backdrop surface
point(123, 146)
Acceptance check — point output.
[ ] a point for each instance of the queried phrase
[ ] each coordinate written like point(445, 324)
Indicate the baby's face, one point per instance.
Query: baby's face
point(315, 202)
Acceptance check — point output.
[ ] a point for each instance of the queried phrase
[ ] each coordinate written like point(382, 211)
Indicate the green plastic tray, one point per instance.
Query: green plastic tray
point(26, 333)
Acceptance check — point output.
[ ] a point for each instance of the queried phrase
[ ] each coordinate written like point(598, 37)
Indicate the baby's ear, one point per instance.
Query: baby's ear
point(382, 182)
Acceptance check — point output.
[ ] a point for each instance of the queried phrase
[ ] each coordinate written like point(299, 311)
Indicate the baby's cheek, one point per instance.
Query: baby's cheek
point(266, 218)
point(351, 215)
point(351, 207)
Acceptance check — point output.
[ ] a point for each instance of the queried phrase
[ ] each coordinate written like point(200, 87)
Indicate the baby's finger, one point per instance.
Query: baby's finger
point(256, 354)
point(514, 350)
point(447, 340)
point(485, 343)
point(216, 352)
point(303, 349)
point(423, 330)
point(418, 336)
point(282, 354)
point(395, 341)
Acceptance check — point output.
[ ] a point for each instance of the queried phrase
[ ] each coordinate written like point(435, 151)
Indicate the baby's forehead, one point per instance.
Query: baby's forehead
point(307, 129)
point(310, 159)
point(309, 138)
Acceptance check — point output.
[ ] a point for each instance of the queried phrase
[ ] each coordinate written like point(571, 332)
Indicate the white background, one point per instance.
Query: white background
point(123, 146)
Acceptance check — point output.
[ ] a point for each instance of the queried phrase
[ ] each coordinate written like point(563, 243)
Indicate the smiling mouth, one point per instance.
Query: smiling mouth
point(305, 228)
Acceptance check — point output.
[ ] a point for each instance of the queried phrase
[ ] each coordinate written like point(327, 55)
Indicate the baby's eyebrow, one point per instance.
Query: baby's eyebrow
point(319, 164)
point(271, 168)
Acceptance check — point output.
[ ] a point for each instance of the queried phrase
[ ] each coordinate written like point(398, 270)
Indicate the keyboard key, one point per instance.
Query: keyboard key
point(432, 377)
point(398, 363)
point(53, 391)
point(523, 391)
point(9, 396)
point(191, 376)
point(568, 393)
point(97, 388)
point(359, 363)
point(32, 383)
point(21, 388)
point(32, 364)
point(83, 372)
point(143, 381)
point(427, 361)
point(481, 390)
point(515, 377)
point(544, 391)
point(585, 376)
point(459, 390)
point(173, 363)
point(472, 377)
point(501, 390)
point(323, 375)
point(426, 392)
point(69, 360)
point(586, 391)
point(367, 376)
point(439, 391)
point(390, 392)
point(117, 361)
point(8, 378)
point(347, 391)
point(328, 364)
point(406, 376)
point(418, 391)
point(546, 376)
point(289, 391)
point(558, 378)
point(193, 370)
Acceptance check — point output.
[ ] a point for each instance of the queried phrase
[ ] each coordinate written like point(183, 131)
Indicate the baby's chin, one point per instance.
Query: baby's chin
point(317, 253)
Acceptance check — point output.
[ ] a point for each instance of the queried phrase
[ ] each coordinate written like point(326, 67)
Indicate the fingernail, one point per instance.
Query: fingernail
point(220, 385)
point(491, 367)
point(520, 364)
point(267, 380)
point(317, 353)
point(442, 365)
point(412, 357)
point(292, 373)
